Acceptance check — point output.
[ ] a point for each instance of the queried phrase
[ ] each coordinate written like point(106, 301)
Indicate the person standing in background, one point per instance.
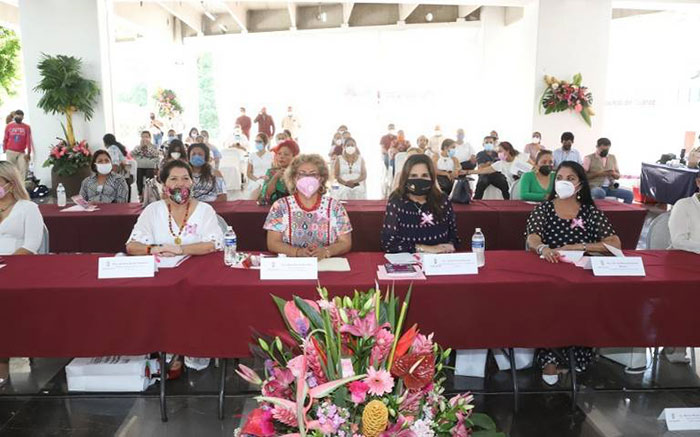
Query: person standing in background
point(291, 123)
point(147, 159)
point(385, 142)
point(244, 122)
point(156, 128)
point(436, 140)
point(17, 143)
point(534, 148)
point(265, 123)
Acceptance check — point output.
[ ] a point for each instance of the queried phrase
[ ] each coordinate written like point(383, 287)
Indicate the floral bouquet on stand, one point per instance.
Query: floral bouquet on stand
point(66, 159)
point(168, 105)
point(347, 368)
point(561, 95)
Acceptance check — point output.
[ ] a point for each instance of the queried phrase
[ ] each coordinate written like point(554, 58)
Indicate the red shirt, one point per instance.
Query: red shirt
point(265, 125)
point(386, 142)
point(18, 137)
point(244, 122)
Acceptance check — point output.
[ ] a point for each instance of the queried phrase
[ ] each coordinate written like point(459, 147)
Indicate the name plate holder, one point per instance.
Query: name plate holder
point(118, 267)
point(450, 264)
point(286, 268)
point(614, 266)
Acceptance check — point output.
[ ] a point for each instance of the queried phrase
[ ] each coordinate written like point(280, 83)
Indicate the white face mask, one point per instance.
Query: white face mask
point(564, 189)
point(438, 133)
point(392, 132)
point(103, 169)
point(175, 155)
point(338, 142)
point(350, 150)
point(535, 140)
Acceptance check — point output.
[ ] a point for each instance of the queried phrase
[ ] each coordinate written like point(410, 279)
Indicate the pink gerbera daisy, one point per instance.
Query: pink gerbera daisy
point(379, 381)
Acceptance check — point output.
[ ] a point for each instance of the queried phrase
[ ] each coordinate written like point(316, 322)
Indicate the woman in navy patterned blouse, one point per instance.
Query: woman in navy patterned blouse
point(419, 217)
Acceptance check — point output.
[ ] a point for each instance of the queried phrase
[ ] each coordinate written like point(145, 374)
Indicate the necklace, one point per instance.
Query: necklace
point(305, 209)
point(178, 240)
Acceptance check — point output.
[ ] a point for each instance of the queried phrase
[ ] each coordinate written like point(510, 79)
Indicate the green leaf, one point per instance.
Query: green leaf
point(280, 306)
point(577, 79)
point(313, 315)
point(487, 433)
point(483, 421)
point(586, 117)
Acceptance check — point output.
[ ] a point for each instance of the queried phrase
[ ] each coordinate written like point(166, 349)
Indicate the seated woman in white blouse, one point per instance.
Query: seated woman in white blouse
point(684, 223)
point(179, 224)
point(21, 226)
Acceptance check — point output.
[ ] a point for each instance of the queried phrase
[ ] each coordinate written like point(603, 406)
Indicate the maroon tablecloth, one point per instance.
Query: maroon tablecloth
point(503, 223)
point(203, 308)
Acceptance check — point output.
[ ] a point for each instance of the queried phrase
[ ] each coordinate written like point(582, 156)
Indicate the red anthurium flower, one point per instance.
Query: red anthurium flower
point(416, 370)
point(259, 423)
point(406, 341)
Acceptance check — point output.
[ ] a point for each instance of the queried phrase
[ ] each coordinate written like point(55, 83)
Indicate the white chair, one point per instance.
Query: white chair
point(515, 190)
point(222, 223)
point(659, 235)
point(230, 168)
point(492, 193)
point(399, 160)
point(44, 248)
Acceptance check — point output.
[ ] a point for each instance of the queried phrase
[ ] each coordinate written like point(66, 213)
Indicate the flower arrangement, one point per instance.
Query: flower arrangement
point(561, 95)
point(345, 367)
point(168, 105)
point(67, 159)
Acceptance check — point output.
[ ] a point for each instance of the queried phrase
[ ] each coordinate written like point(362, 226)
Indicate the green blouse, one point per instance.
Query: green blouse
point(530, 188)
point(280, 189)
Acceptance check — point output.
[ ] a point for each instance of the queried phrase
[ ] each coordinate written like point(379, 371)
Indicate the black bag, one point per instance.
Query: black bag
point(461, 191)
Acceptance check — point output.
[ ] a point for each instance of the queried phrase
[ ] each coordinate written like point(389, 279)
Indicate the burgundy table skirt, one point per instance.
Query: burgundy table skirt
point(54, 305)
point(502, 221)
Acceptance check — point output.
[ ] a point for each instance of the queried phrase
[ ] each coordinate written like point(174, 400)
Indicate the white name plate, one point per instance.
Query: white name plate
point(288, 268)
point(681, 419)
point(126, 267)
point(450, 264)
point(627, 266)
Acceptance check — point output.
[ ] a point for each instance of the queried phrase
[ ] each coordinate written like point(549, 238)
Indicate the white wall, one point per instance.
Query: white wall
point(77, 28)
point(573, 37)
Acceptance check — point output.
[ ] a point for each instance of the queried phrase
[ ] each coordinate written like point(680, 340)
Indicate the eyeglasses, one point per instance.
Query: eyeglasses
point(313, 175)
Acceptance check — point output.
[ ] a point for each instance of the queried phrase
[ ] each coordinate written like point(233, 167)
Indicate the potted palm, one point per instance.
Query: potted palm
point(65, 91)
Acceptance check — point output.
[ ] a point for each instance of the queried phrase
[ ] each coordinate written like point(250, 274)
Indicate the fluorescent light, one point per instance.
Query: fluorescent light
point(223, 28)
point(209, 15)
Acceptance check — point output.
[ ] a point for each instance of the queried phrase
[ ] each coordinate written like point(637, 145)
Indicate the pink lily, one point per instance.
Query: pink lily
point(249, 375)
point(363, 327)
point(296, 319)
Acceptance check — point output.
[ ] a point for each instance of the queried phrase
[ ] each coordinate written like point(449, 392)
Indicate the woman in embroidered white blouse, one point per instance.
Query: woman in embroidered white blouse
point(684, 223)
point(179, 224)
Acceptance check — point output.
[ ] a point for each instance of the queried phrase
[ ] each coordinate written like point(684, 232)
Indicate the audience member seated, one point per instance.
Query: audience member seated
point(694, 157)
point(566, 152)
point(104, 186)
point(568, 221)
point(308, 223)
point(464, 152)
point(274, 187)
point(536, 185)
point(400, 163)
point(423, 144)
point(215, 153)
point(534, 148)
point(350, 172)
point(684, 222)
point(175, 150)
point(147, 158)
point(509, 164)
point(192, 137)
point(447, 166)
point(259, 162)
point(208, 183)
point(602, 172)
point(419, 217)
point(119, 157)
point(336, 148)
point(484, 159)
point(21, 227)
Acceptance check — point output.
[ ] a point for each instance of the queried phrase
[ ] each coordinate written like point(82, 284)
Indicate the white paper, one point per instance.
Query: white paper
point(288, 268)
point(584, 263)
point(519, 166)
point(614, 250)
point(126, 267)
point(78, 208)
point(571, 256)
point(169, 262)
point(450, 264)
point(401, 258)
point(334, 265)
point(626, 266)
point(681, 419)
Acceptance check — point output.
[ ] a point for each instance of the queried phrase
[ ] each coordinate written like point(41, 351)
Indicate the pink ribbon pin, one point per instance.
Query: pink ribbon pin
point(426, 219)
point(577, 223)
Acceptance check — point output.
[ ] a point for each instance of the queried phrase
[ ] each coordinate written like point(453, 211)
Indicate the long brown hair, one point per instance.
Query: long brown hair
point(435, 197)
point(206, 173)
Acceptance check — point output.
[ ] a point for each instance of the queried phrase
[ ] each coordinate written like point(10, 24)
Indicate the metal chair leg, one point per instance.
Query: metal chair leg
point(514, 375)
point(693, 363)
point(572, 366)
point(163, 377)
point(222, 386)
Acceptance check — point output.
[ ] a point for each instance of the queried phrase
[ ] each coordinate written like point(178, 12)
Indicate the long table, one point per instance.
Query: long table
point(502, 221)
point(54, 305)
point(667, 184)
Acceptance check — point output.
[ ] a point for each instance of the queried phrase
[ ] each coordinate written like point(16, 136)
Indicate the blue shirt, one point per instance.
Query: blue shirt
point(561, 155)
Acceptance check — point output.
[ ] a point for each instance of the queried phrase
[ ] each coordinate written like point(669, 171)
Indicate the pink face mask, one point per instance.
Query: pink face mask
point(308, 185)
point(502, 156)
point(3, 192)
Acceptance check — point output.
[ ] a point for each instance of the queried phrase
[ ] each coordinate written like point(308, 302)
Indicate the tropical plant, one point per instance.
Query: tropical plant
point(9, 65)
point(65, 91)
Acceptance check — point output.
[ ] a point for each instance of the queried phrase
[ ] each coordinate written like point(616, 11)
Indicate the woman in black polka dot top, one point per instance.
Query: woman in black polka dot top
point(419, 217)
point(569, 220)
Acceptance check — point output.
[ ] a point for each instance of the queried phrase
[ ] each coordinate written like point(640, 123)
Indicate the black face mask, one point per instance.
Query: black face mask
point(566, 147)
point(18, 119)
point(546, 170)
point(604, 153)
point(419, 187)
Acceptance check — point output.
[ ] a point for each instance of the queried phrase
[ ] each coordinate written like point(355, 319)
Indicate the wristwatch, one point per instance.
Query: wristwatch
point(541, 249)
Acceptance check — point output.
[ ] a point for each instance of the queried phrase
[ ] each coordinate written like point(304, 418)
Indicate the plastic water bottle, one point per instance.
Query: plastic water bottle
point(61, 195)
point(479, 246)
point(230, 243)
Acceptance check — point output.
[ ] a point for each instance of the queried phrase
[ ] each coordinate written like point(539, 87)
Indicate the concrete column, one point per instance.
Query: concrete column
point(78, 28)
point(572, 37)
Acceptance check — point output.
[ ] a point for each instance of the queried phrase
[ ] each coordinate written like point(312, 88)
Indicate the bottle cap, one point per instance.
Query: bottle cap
point(478, 229)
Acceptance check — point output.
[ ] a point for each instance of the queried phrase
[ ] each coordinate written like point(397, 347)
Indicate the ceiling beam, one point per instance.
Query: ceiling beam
point(184, 13)
point(464, 10)
point(292, 8)
point(347, 12)
point(405, 10)
point(238, 13)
